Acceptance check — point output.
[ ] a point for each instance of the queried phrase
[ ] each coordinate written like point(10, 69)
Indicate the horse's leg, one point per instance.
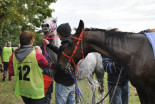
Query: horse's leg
point(142, 96)
point(76, 94)
point(93, 87)
point(150, 91)
point(100, 76)
point(99, 72)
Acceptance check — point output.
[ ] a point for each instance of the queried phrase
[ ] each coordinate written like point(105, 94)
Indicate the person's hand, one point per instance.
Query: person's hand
point(45, 41)
point(54, 65)
point(37, 48)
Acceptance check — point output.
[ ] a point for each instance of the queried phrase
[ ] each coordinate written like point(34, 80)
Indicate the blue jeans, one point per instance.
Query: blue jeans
point(64, 94)
point(121, 95)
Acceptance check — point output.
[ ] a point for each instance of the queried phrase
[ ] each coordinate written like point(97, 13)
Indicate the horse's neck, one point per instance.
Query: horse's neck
point(56, 41)
point(112, 47)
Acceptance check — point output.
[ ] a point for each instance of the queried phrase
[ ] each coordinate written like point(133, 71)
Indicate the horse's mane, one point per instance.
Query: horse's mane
point(111, 33)
point(113, 37)
point(118, 34)
point(106, 30)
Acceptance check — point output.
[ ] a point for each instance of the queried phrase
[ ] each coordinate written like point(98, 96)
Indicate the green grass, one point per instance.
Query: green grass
point(7, 92)
point(86, 92)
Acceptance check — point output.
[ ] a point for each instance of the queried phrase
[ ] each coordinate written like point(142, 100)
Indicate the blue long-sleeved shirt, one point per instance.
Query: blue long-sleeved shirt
point(113, 70)
point(111, 67)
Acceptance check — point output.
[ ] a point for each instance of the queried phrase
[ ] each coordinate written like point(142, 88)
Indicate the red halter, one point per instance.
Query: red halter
point(71, 57)
point(50, 38)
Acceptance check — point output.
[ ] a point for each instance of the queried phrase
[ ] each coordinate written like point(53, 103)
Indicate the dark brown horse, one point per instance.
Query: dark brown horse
point(132, 50)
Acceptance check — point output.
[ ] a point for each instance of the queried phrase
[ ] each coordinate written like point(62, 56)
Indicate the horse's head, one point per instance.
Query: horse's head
point(49, 25)
point(74, 50)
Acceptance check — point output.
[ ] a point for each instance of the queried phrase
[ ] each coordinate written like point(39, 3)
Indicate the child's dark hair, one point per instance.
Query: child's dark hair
point(26, 37)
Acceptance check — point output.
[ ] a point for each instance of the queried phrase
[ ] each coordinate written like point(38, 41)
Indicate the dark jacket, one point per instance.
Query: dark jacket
point(60, 76)
point(113, 70)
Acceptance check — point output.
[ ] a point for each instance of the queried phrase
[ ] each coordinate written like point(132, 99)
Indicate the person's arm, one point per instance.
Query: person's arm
point(151, 30)
point(11, 71)
point(54, 48)
point(51, 46)
point(12, 50)
point(110, 66)
point(42, 62)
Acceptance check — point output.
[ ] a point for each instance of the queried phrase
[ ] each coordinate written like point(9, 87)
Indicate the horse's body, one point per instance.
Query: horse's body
point(132, 50)
point(90, 65)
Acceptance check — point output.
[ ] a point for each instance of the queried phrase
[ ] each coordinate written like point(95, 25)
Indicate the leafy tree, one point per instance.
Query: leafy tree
point(38, 37)
point(26, 14)
point(11, 32)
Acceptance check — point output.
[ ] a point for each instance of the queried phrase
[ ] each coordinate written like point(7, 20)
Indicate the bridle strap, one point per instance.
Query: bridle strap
point(50, 38)
point(71, 57)
point(53, 28)
point(78, 42)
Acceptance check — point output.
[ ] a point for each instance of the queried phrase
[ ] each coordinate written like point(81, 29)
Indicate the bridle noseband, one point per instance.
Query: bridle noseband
point(77, 44)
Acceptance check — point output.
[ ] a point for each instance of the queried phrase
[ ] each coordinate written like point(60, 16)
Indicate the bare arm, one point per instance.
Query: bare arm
point(151, 30)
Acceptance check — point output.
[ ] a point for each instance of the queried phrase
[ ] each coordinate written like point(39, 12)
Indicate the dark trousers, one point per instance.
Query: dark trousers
point(6, 65)
point(32, 101)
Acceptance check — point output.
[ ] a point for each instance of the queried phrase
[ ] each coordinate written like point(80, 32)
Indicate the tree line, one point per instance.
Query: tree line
point(19, 15)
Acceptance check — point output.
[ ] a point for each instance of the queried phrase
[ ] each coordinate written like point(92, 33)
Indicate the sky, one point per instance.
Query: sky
point(127, 15)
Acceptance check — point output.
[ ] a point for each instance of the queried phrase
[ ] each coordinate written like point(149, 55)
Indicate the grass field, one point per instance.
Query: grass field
point(7, 92)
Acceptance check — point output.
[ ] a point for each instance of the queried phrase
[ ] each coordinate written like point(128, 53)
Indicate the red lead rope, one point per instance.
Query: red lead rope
point(71, 58)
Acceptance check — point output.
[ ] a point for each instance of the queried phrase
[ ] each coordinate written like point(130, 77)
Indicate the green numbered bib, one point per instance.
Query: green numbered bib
point(29, 79)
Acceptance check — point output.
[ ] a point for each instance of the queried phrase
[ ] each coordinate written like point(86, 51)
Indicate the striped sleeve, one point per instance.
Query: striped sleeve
point(110, 67)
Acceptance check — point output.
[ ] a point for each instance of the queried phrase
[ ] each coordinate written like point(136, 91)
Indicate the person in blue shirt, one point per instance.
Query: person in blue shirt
point(116, 71)
point(117, 80)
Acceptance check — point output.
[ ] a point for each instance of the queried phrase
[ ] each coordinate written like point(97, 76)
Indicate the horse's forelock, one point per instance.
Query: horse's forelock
point(50, 20)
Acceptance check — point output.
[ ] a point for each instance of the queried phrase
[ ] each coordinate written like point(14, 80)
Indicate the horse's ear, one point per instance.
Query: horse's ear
point(81, 24)
point(80, 27)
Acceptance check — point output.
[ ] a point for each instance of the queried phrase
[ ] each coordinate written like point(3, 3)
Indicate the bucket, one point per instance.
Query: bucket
point(47, 82)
